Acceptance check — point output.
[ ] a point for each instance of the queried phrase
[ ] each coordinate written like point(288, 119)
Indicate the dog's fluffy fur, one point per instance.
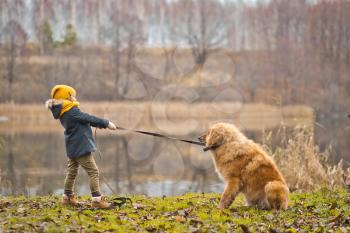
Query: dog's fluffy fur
point(246, 168)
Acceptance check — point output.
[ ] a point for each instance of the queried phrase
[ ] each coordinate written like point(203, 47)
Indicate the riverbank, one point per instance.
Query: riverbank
point(173, 117)
point(320, 211)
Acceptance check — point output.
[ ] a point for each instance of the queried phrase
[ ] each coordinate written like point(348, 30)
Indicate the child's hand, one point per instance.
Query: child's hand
point(111, 126)
point(49, 103)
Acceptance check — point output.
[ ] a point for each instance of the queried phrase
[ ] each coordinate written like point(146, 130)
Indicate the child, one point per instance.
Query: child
point(79, 142)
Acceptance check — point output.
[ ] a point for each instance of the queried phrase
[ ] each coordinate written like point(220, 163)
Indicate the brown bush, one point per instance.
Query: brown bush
point(303, 165)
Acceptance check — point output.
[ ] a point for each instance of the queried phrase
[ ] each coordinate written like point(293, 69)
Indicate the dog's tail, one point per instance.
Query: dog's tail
point(277, 195)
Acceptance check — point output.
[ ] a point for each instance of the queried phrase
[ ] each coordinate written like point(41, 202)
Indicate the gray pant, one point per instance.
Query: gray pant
point(89, 165)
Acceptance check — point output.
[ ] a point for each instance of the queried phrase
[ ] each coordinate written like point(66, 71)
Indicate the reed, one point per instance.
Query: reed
point(303, 165)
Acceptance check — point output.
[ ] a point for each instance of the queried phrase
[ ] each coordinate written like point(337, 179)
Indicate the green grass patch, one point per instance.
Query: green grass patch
point(319, 211)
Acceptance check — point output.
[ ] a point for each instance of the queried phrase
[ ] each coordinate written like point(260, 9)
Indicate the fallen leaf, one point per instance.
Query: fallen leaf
point(151, 229)
point(138, 206)
point(180, 219)
point(21, 210)
point(244, 228)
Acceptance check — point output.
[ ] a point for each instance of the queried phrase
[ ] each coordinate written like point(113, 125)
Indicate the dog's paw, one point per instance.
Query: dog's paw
point(221, 206)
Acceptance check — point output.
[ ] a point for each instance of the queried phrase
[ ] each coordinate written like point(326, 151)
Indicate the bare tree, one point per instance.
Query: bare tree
point(201, 26)
point(115, 33)
point(330, 30)
point(279, 28)
point(126, 32)
point(15, 38)
point(43, 15)
point(91, 12)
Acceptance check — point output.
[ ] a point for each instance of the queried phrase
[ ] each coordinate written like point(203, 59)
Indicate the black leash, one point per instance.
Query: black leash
point(162, 136)
point(119, 201)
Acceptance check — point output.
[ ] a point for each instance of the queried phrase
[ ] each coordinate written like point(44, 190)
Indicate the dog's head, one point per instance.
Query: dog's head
point(220, 133)
point(213, 138)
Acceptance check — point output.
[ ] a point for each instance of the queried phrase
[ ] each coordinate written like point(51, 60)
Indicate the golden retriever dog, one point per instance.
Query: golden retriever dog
point(246, 168)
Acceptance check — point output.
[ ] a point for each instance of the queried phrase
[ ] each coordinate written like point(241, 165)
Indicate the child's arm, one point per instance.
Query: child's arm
point(89, 119)
point(55, 107)
point(56, 110)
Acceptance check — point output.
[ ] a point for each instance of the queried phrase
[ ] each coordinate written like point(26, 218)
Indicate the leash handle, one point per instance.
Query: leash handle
point(163, 136)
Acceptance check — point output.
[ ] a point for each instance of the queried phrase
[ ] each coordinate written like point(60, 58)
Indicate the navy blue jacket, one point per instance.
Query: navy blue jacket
point(78, 135)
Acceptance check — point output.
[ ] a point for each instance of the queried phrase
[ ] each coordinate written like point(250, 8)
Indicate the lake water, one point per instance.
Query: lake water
point(33, 160)
point(35, 164)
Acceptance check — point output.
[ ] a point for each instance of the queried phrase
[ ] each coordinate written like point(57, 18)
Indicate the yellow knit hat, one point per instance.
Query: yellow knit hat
point(62, 92)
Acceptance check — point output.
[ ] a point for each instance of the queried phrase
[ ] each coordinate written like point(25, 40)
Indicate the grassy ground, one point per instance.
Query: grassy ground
point(322, 211)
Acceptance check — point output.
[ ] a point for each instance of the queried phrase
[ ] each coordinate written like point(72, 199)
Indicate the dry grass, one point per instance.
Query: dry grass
point(303, 165)
point(170, 117)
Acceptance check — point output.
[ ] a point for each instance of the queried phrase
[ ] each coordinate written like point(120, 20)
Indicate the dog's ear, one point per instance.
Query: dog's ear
point(214, 138)
point(203, 137)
